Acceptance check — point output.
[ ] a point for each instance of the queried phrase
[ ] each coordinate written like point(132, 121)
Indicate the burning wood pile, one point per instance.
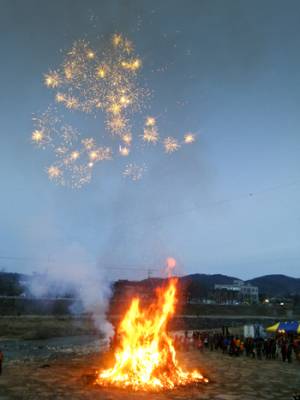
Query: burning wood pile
point(145, 358)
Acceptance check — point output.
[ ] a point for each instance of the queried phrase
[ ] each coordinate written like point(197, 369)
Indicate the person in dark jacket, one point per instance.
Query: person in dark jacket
point(283, 351)
point(258, 349)
point(1, 359)
point(289, 353)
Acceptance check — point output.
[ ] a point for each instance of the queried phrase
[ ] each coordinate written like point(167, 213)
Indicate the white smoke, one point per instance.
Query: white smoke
point(72, 269)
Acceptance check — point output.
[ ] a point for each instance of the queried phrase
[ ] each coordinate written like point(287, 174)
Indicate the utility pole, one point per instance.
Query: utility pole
point(49, 259)
point(149, 281)
point(150, 272)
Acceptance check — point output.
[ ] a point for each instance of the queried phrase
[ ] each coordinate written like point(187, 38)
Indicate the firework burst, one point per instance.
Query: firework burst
point(92, 81)
point(189, 138)
point(54, 172)
point(134, 171)
point(150, 135)
point(170, 144)
point(124, 151)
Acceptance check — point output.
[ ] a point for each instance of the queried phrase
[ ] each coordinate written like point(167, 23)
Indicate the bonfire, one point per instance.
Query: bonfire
point(146, 358)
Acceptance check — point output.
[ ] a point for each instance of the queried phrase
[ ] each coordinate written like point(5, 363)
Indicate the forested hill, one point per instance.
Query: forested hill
point(271, 285)
point(276, 285)
point(279, 286)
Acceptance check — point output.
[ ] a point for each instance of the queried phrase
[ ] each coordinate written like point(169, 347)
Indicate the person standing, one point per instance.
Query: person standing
point(237, 345)
point(273, 349)
point(225, 345)
point(263, 347)
point(187, 343)
point(195, 338)
point(1, 359)
point(247, 348)
point(258, 349)
point(200, 345)
point(241, 347)
point(283, 351)
point(252, 348)
point(216, 340)
point(267, 349)
point(205, 341)
point(289, 353)
point(211, 343)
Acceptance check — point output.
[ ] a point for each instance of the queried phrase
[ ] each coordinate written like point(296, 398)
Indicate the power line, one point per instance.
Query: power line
point(149, 270)
point(19, 258)
point(181, 212)
point(163, 216)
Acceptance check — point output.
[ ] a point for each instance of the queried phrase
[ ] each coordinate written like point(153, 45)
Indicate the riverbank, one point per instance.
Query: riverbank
point(39, 327)
point(34, 327)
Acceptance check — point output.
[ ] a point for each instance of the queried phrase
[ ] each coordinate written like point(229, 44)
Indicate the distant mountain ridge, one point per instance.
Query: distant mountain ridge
point(276, 285)
point(270, 285)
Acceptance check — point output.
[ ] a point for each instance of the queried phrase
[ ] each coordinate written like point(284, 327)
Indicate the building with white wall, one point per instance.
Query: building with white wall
point(243, 293)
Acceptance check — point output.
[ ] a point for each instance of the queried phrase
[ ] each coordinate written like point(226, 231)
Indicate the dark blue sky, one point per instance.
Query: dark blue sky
point(226, 70)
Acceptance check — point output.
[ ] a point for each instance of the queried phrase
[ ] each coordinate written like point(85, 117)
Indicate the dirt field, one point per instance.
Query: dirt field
point(65, 367)
point(70, 375)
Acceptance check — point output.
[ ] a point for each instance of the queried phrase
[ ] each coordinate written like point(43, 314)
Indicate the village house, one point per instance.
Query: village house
point(232, 294)
point(127, 290)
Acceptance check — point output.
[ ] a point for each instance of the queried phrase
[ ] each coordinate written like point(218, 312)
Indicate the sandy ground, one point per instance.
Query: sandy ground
point(69, 373)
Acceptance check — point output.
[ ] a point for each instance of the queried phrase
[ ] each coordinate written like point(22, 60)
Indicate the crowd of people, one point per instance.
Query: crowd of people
point(236, 346)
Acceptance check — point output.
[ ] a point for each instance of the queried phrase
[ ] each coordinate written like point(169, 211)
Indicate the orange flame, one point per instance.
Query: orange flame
point(171, 264)
point(146, 358)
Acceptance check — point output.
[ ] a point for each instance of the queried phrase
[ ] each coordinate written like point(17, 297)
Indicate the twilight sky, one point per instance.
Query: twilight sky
point(227, 71)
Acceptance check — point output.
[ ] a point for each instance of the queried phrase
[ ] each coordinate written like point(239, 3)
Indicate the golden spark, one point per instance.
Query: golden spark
point(54, 172)
point(72, 102)
point(137, 63)
point(124, 100)
point(53, 79)
point(80, 176)
point(128, 46)
point(88, 144)
point(93, 155)
point(118, 124)
point(170, 144)
point(150, 135)
point(127, 138)
point(189, 138)
point(115, 109)
point(125, 151)
point(61, 150)
point(117, 40)
point(60, 97)
point(37, 136)
point(91, 82)
point(134, 171)
point(69, 134)
point(150, 121)
point(68, 73)
point(100, 72)
point(74, 155)
point(100, 154)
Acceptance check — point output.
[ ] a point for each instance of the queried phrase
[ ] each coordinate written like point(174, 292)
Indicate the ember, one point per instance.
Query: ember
point(146, 358)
